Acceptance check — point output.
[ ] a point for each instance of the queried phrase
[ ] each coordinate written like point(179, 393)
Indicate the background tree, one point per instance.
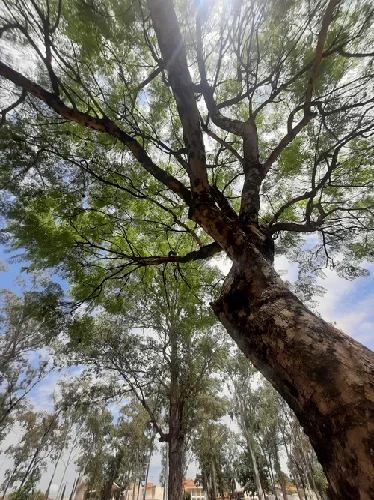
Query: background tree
point(27, 325)
point(166, 366)
point(30, 456)
point(246, 403)
point(245, 473)
point(136, 120)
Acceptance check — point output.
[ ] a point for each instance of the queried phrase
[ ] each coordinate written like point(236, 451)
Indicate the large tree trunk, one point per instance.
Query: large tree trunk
point(326, 377)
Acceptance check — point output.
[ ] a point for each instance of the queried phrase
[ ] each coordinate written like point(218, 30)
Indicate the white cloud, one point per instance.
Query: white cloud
point(349, 304)
point(287, 269)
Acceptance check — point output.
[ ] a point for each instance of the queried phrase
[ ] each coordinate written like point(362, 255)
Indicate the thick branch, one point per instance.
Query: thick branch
point(103, 124)
point(173, 53)
point(294, 227)
point(344, 53)
point(205, 252)
point(149, 78)
point(327, 19)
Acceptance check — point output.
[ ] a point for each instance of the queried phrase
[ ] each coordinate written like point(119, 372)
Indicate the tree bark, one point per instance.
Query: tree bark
point(175, 486)
point(176, 436)
point(325, 376)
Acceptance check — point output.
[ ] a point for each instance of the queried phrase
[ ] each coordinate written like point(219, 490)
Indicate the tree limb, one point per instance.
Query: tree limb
point(326, 21)
point(173, 53)
point(103, 124)
point(12, 106)
point(203, 253)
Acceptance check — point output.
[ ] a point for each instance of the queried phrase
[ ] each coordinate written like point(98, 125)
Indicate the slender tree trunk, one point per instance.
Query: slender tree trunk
point(75, 484)
point(256, 473)
point(61, 497)
point(176, 435)
point(53, 473)
point(148, 466)
point(205, 483)
point(115, 465)
point(175, 486)
point(139, 483)
point(133, 490)
point(213, 479)
point(166, 486)
point(325, 376)
point(298, 489)
point(279, 472)
point(248, 438)
point(271, 472)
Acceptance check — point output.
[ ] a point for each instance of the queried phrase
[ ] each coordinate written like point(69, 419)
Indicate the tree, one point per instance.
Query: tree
point(213, 444)
point(136, 120)
point(268, 431)
point(166, 366)
point(23, 364)
point(30, 455)
point(246, 474)
point(246, 402)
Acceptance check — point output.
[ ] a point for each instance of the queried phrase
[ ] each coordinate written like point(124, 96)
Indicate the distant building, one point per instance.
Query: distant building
point(152, 492)
point(196, 492)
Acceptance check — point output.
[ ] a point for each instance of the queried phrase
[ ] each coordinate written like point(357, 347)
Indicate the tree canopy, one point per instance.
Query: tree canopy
point(136, 134)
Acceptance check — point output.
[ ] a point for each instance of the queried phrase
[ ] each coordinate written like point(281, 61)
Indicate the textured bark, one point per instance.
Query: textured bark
point(325, 376)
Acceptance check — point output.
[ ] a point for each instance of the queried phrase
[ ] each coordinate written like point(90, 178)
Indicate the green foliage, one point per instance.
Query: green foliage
point(28, 323)
point(320, 478)
point(245, 473)
point(24, 494)
point(80, 204)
